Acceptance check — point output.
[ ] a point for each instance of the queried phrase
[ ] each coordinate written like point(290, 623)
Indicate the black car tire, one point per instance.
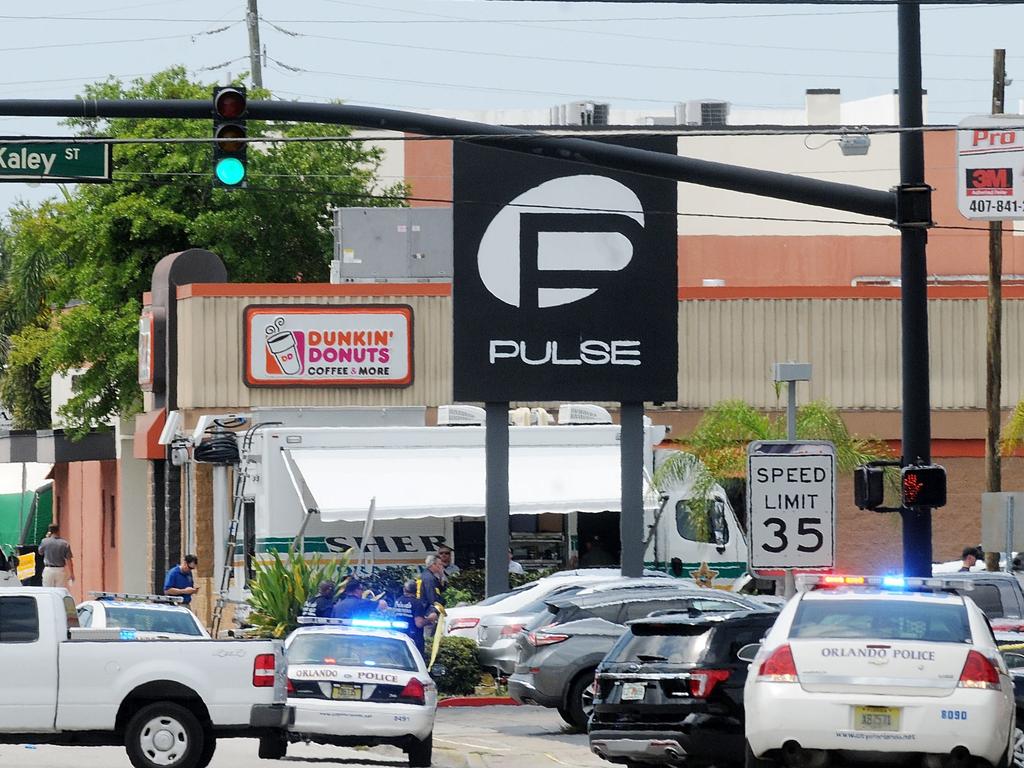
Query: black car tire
point(421, 752)
point(149, 729)
point(273, 747)
point(749, 761)
point(209, 747)
point(1016, 758)
point(575, 713)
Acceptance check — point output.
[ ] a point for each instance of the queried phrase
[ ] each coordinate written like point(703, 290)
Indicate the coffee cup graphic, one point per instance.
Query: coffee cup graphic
point(284, 349)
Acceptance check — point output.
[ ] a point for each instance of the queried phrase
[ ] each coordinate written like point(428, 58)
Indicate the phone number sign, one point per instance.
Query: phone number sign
point(990, 167)
point(791, 505)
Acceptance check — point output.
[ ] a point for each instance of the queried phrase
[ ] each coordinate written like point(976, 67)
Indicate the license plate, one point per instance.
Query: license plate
point(876, 718)
point(633, 691)
point(346, 692)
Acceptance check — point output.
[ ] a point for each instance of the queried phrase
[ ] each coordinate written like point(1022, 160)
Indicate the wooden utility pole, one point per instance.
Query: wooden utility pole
point(994, 340)
point(252, 21)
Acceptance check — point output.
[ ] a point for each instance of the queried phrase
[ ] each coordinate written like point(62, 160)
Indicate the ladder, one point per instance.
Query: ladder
point(241, 476)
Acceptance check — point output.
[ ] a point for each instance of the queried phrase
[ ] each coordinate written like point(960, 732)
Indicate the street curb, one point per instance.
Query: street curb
point(477, 701)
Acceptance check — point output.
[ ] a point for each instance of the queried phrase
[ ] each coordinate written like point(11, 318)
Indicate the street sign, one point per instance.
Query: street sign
point(990, 167)
point(1002, 513)
point(791, 505)
point(41, 161)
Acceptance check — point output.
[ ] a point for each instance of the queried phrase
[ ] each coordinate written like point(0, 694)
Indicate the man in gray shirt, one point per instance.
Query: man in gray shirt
point(58, 566)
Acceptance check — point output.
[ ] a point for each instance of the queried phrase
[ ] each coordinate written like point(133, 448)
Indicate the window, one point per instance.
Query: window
point(19, 620)
point(351, 651)
point(170, 621)
point(882, 620)
point(988, 599)
point(716, 606)
point(706, 527)
point(70, 613)
point(85, 617)
point(668, 643)
point(113, 521)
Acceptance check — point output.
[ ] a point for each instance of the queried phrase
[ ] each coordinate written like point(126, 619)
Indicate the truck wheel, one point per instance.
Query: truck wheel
point(580, 702)
point(421, 752)
point(273, 747)
point(209, 746)
point(165, 735)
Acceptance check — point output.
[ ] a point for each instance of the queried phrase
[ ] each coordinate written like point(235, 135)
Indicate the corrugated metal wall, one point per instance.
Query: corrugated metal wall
point(727, 348)
point(210, 356)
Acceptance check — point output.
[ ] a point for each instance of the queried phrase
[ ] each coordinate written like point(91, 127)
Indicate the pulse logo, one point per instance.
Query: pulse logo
point(542, 251)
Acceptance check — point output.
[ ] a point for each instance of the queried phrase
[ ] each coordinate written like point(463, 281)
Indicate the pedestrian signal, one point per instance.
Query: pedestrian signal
point(923, 486)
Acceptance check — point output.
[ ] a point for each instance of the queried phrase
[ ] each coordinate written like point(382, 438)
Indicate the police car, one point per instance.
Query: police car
point(862, 668)
point(153, 617)
point(356, 682)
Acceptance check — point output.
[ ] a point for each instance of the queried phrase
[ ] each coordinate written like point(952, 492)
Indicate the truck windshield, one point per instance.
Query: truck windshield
point(149, 620)
point(662, 643)
point(882, 620)
point(351, 651)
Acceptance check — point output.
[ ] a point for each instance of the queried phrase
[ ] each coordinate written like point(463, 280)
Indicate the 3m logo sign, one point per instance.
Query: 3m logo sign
point(989, 182)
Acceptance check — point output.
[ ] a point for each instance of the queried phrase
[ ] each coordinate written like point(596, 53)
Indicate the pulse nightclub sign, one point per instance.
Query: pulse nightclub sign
point(565, 279)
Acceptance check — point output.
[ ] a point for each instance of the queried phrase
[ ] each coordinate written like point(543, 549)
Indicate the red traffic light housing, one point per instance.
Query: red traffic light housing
point(923, 486)
point(229, 134)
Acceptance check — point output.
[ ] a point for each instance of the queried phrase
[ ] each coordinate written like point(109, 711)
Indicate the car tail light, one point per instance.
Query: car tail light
point(979, 672)
point(467, 623)
point(413, 693)
point(779, 667)
point(291, 686)
point(263, 668)
point(512, 630)
point(538, 638)
point(703, 681)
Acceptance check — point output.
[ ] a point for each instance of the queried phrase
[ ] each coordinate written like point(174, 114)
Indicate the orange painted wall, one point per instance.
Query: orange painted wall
point(428, 171)
point(87, 507)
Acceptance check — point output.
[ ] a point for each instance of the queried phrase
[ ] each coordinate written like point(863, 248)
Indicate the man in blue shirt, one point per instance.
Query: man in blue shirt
point(178, 582)
point(353, 605)
point(320, 605)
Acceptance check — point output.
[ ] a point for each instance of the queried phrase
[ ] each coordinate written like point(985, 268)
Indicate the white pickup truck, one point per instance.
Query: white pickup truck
point(166, 701)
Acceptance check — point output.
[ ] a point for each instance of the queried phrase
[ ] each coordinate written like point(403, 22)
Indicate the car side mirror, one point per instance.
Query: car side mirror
point(720, 549)
point(748, 652)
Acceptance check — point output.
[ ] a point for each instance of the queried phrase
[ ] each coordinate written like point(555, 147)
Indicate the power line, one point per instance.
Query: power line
point(93, 43)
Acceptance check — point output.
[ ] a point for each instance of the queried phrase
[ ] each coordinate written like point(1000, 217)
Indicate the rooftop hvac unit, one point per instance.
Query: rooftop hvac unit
point(583, 413)
point(529, 417)
point(580, 113)
point(392, 245)
point(461, 416)
point(707, 113)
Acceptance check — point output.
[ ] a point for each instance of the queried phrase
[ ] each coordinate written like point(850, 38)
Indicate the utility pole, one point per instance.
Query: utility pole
point(252, 21)
point(994, 340)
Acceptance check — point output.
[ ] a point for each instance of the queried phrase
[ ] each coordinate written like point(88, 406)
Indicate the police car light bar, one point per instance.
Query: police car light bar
point(364, 623)
point(168, 599)
point(825, 581)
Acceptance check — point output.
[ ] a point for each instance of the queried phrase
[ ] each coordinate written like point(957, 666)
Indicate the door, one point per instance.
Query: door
point(704, 542)
point(28, 667)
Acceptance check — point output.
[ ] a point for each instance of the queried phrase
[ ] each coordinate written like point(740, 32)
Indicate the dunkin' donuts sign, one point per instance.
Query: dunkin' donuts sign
point(328, 346)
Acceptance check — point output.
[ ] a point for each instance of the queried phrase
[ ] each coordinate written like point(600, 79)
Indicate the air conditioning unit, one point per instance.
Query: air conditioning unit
point(519, 417)
point(461, 416)
point(583, 413)
point(707, 113)
point(541, 417)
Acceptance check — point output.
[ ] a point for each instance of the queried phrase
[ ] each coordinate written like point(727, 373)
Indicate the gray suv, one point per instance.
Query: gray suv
point(560, 649)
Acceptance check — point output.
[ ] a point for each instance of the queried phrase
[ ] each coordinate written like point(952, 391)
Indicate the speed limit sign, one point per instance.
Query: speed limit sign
point(791, 505)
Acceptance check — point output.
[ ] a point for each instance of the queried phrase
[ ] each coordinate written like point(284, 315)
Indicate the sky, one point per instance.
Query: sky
point(488, 54)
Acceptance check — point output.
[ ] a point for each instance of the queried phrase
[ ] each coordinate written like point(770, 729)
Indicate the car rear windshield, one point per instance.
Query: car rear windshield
point(662, 644)
point(148, 620)
point(882, 620)
point(351, 651)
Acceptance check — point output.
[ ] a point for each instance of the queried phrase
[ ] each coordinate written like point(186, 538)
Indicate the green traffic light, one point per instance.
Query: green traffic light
point(230, 171)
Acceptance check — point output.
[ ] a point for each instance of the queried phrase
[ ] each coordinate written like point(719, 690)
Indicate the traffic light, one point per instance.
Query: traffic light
point(923, 486)
point(229, 132)
point(868, 487)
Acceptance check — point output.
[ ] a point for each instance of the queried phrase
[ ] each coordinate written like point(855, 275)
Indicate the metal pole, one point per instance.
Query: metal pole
point(1009, 533)
point(221, 505)
point(496, 458)
point(791, 411)
point(252, 21)
point(917, 523)
point(631, 518)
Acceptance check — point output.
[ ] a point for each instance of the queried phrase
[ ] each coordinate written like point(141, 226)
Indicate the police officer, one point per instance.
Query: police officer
point(415, 612)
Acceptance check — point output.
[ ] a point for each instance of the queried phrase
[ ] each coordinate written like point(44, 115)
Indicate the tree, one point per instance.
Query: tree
point(98, 246)
point(716, 451)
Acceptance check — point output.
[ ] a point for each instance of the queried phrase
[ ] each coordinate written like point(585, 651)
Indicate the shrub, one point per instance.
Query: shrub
point(457, 656)
point(469, 586)
point(280, 588)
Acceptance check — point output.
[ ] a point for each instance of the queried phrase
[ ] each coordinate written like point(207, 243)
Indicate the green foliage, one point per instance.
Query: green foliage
point(388, 581)
point(1013, 433)
point(282, 586)
point(92, 252)
point(683, 474)
point(457, 656)
point(470, 585)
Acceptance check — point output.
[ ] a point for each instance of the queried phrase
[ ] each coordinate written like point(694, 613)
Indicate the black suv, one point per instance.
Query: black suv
point(671, 690)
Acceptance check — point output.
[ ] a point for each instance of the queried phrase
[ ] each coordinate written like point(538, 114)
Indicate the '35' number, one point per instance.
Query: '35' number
point(805, 526)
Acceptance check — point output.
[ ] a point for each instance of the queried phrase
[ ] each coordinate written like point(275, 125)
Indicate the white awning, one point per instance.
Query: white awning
point(417, 481)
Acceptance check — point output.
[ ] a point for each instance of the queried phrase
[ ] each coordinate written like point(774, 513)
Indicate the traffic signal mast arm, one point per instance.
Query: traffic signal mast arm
point(782, 186)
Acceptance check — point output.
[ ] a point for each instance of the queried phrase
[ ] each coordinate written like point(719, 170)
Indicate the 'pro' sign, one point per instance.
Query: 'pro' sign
point(990, 167)
point(791, 505)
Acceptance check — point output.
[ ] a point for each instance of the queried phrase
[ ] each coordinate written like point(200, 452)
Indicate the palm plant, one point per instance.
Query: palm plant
point(282, 586)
